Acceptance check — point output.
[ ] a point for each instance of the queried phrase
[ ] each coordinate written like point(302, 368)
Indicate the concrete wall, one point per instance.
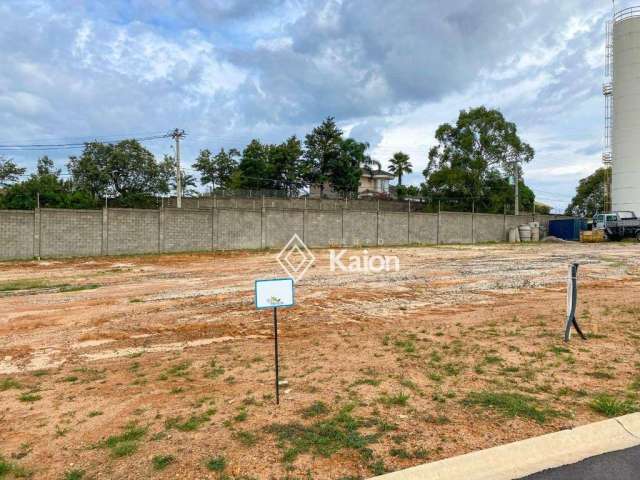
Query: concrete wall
point(322, 229)
point(17, 234)
point(393, 228)
point(66, 233)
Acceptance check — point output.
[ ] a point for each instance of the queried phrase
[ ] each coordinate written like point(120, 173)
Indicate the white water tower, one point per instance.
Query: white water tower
point(622, 136)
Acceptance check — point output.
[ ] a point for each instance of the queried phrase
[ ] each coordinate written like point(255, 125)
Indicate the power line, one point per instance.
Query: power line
point(63, 146)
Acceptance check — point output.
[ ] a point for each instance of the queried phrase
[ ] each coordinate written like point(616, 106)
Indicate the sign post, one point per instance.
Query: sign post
point(572, 302)
point(276, 293)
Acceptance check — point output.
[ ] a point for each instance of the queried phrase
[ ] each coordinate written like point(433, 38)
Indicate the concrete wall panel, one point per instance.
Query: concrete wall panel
point(187, 230)
point(393, 229)
point(70, 233)
point(455, 228)
point(281, 225)
point(323, 229)
point(360, 228)
point(488, 228)
point(238, 229)
point(133, 231)
point(16, 234)
point(424, 228)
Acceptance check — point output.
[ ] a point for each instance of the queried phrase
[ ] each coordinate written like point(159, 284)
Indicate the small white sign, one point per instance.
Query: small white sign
point(274, 293)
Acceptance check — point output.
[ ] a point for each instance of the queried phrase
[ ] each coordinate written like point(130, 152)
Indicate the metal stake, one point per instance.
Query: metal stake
point(572, 299)
point(275, 330)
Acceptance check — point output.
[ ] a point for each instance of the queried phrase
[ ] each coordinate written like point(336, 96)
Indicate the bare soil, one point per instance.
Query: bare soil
point(109, 363)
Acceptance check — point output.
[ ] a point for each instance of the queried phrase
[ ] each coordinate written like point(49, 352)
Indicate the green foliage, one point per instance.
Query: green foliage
point(74, 475)
point(9, 383)
point(474, 160)
point(589, 198)
point(611, 406)
point(126, 170)
point(344, 170)
point(125, 443)
point(323, 437)
point(217, 170)
point(399, 165)
point(510, 405)
point(216, 464)
point(316, 409)
point(9, 171)
point(160, 462)
point(322, 150)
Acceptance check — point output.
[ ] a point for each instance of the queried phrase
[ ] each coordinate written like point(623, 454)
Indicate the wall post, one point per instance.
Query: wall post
point(105, 231)
point(263, 228)
point(161, 225)
point(37, 232)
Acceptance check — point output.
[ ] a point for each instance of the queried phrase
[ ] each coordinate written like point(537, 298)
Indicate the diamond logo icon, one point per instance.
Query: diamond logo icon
point(295, 258)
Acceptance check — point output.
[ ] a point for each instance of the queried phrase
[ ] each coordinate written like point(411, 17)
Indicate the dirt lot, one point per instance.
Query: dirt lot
point(160, 366)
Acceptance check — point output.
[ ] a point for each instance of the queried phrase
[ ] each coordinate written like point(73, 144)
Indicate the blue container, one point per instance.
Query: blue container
point(567, 229)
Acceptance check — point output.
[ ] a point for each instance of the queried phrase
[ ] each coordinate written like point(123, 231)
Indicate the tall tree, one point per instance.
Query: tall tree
point(399, 165)
point(9, 171)
point(322, 149)
point(286, 165)
point(589, 198)
point(125, 170)
point(345, 170)
point(45, 188)
point(253, 170)
point(474, 160)
point(217, 169)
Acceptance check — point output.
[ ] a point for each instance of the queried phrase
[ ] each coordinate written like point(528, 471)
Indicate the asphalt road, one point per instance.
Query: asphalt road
point(621, 465)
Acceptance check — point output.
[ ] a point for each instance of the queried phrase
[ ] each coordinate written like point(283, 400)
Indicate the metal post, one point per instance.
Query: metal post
point(572, 301)
point(275, 331)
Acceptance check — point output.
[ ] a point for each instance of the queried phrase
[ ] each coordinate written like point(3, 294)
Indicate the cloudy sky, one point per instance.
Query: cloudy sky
point(227, 71)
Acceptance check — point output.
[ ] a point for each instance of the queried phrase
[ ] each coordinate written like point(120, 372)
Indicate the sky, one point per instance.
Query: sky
point(227, 71)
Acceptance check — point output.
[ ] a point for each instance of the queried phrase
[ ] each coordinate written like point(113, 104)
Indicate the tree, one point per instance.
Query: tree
point(9, 171)
point(253, 170)
point(345, 170)
point(475, 159)
point(286, 166)
point(217, 170)
point(589, 198)
point(47, 189)
point(399, 165)
point(125, 170)
point(322, 149)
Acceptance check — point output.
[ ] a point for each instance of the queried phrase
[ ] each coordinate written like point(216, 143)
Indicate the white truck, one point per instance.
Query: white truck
point(618, 225)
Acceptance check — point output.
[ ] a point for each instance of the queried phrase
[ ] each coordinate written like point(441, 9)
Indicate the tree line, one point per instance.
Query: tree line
point(471, 166)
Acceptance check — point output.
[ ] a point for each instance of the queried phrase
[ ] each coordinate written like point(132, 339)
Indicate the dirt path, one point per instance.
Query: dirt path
point(109, 364)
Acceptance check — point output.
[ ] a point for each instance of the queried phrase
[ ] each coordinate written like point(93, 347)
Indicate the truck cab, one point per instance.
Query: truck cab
point(601, 219)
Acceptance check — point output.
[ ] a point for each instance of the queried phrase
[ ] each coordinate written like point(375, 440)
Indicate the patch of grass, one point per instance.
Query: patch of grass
point(246, 438)
point(610, 406)
point(74, 475)
point(398, 399)
point(601, 375)
point(510, 405)
point(193, 423)
point(323, 437)
point(408, 345)
point(78, 288)
point(216, 464)
point(214, 370)
point(29, 397)
point(160, 462)
point(26, 284)
point(241, 416)
point(635, 384)
point(492, 359)
point(316, 409)
point(9, 383)
point(178, 370)
point(126, 443)
point(366, 381)
point(94, 413)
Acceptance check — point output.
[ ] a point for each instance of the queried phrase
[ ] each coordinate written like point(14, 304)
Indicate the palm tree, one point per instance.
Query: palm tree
point(399, 165)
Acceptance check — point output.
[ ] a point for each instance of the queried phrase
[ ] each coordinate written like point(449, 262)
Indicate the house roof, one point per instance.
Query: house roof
point(378, 173)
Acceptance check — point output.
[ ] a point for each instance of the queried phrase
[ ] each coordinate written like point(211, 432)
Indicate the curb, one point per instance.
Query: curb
point(519, 459)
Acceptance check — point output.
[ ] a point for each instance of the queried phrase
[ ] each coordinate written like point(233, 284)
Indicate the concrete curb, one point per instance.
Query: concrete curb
point(519, 459)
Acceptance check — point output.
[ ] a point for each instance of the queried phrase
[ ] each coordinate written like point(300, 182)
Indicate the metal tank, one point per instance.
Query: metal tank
point(625, 135)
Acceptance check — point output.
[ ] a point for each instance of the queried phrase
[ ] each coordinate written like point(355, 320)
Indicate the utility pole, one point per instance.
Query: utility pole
point(177, 134)
point(516, 181)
